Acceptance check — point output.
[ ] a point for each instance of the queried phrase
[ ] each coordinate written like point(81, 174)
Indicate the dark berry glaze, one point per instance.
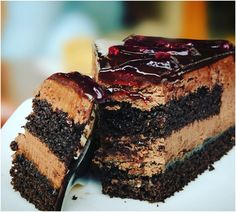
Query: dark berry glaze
point(80, 83)
point(153, 59)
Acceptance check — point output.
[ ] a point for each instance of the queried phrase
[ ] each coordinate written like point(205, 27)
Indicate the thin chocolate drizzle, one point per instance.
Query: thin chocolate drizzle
point(154, 59)
point(89, 86)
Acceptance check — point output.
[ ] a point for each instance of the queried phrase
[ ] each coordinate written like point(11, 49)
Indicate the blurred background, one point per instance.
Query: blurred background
point(40, 38)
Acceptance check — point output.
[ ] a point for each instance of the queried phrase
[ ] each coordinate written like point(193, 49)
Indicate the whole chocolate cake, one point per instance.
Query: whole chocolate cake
point(169, 114)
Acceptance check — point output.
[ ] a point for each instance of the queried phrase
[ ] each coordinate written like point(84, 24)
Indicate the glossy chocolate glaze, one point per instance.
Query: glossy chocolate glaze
point(154, 59)
point(80, 82)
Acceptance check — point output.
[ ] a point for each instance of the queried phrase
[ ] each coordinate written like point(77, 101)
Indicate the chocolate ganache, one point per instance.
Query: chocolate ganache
point(153, 59)
point(81, 82)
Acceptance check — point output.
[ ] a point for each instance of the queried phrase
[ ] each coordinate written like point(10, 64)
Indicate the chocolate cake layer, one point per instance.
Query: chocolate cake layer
point(119, 183)
point(32, 185)
point(55, 129)
point(121, 119)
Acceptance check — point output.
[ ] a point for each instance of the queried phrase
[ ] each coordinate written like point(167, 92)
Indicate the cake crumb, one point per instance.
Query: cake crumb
point(211, 168)
point(74, 197)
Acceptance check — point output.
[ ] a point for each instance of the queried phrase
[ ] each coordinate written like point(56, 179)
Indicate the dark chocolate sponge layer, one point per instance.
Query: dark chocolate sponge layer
point(158, 187)
point(60, 133)
point(33, 186)
point(162, 119)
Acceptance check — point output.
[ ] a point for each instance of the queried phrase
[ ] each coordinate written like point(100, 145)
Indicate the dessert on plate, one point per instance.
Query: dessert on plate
point(164, 112)
point(55, 134)
point(169, 113)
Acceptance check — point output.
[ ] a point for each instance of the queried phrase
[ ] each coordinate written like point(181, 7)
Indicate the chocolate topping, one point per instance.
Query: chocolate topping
point(80, 82)
point(154, 59)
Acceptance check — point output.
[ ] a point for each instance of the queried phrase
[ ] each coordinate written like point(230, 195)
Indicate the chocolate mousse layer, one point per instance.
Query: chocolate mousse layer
point(71, 93)
point(47, 163)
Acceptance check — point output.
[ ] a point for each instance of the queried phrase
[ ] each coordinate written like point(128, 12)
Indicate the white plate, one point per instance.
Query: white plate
point(210, 191)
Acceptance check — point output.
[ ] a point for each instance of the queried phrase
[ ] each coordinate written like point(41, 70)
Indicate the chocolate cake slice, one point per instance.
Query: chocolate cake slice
point(55, 134)
point(169, 113)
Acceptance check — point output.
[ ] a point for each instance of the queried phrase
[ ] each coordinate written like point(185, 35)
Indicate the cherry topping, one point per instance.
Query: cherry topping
point(152, 59)
point(162, 55)
point(114, 51)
